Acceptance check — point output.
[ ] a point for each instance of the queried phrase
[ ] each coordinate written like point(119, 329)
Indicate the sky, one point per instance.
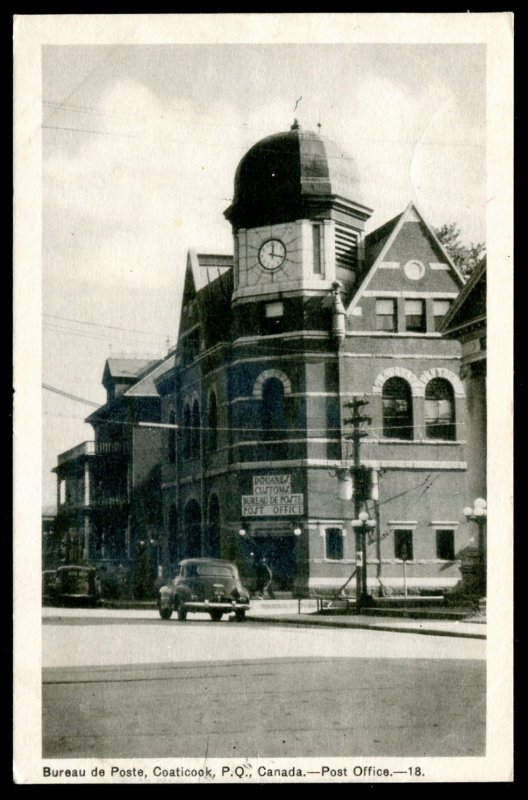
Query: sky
point(140, 144)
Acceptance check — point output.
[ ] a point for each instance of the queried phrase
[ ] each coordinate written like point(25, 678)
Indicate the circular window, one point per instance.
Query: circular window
point(414, 270)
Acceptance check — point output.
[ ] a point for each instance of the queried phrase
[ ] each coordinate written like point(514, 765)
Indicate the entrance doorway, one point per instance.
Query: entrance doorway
point(280, 554)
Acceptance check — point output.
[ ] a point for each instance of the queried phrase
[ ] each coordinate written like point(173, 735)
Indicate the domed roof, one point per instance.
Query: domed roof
point(281, 177)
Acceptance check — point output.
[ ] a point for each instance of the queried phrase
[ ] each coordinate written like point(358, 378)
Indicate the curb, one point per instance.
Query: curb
point(300, 620)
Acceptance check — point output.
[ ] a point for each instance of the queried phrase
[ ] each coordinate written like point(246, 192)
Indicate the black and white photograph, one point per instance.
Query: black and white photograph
point(257, 452)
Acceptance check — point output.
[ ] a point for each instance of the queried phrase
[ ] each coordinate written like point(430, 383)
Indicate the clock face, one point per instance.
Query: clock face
point(272, 254)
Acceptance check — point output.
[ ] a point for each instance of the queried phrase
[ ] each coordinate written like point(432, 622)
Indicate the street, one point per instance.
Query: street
point(124, 683)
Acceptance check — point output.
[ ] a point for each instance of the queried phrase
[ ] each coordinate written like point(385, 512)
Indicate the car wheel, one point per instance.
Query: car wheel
point(165, 613)
point(182, 614)
point(240, 615)
point(215, 615)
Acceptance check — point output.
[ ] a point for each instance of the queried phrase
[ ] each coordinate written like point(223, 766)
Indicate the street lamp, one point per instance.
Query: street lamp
point(362, 525)
point(478, 513)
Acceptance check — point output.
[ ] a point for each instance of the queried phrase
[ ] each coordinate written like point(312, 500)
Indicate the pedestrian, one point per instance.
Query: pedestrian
point(268, 577)
point(260, 578)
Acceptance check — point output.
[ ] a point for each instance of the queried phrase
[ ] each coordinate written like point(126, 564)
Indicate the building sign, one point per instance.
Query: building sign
point(272, 497)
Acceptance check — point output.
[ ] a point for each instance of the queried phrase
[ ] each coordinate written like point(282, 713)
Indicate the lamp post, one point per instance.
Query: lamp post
point(362, 525)
point(478, 514)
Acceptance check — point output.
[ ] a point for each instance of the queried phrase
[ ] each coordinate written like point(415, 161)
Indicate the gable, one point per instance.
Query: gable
point(189, 316)
point(409, 265)
point(414, 262)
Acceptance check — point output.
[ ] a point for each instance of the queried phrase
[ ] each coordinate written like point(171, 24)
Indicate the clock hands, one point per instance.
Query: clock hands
point(272, 254)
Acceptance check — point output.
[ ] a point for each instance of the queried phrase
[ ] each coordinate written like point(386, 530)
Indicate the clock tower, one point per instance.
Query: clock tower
point(297, 219)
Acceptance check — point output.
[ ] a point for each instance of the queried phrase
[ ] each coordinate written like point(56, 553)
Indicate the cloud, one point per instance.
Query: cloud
point(139, 190)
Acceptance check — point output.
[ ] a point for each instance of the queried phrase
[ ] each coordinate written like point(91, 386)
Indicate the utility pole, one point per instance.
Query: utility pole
point(361, 483)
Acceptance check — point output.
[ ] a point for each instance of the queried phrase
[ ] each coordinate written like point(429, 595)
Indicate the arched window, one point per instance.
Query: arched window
point(173, 533)
point(273, 419)
point(212, 423)
point(397, 409)
point(213, 528)
point(171, 444)
point(440, 410)
point(186, 432)
point(195, 430)
point(192, 530)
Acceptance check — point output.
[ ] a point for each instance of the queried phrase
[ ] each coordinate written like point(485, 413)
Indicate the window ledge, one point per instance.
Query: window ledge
point(434, 442)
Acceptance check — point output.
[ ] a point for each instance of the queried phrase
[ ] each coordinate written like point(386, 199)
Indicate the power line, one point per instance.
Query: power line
point(101, 338)
point(101, 325)
point(75, 397)
point(215, 125)
point(317, 433)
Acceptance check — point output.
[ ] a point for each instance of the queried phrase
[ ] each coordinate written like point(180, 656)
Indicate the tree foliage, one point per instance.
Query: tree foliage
point(466, 257)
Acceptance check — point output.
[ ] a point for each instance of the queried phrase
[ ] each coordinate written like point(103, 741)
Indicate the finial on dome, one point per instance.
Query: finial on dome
point(295, 126)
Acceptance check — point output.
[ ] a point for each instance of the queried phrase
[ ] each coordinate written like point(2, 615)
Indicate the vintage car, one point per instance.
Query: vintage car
point(209, 585)
point(76, 585)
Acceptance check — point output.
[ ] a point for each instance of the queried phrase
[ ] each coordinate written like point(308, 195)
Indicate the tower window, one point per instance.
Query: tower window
point(274, 310)
point(415, 316)
point(273, 420)
point(273, 320)
point(386, 318)
point(317, 250)
point(346, 247)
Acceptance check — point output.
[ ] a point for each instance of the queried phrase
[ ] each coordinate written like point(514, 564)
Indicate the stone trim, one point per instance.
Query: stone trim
point(432, 465)
point(448, 375)
point(410, 294)
point(398, 372)
point(266, 375)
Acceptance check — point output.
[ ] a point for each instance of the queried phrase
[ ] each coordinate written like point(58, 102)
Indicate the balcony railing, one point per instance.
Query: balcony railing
point(110, 502)
point(83, 449)
point(111, 448)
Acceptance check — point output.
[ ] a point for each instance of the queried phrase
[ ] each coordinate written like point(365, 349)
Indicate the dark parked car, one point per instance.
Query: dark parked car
point(209, 585)
point(70, 585)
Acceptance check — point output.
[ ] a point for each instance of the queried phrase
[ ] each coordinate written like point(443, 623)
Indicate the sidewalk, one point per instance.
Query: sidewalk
point(285, 612)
